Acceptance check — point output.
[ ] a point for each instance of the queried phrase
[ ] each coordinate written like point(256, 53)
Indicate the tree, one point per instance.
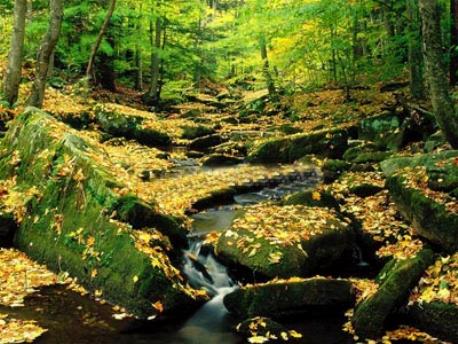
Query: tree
point(13, 72)
point(48, 44)
point(436, 72)
point(414, 51)
point(98, 41)
point(454, 42)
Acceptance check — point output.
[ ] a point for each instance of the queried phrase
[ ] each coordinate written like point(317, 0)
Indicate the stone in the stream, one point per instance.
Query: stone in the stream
point(193, 132)
point(395, 282)
point(361, 184)
point(204, 143)
point(71, 220)
point(433, 304)
point(423, 191)
point(289, 297)
point(275, 241)
point(265, 330)
point(221, 160)
point(313, 198)
point(333, 168)
point(330, 143)
point(131, 127)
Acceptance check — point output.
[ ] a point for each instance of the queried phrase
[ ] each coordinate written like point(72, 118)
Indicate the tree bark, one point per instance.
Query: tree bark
point(436, 72)
point(414, 51)
point(155, 63)
point(454, 42)
point(98, 41)
point(13, 72)
point(56, 8)
point(266, 68)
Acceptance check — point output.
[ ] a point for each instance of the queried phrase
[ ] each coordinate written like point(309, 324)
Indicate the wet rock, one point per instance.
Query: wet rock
point(313, 198)
point(263, 329)
point(333, 168)
point(130, 127)
point(432, 213)
point(384, 130)
point(205, 142)
point(193, 132)
point(275, 241)
point(221, 160)
point(395, 282)
point(328, 143)
point(69, 224)
point(289, 297)
point(435, 141)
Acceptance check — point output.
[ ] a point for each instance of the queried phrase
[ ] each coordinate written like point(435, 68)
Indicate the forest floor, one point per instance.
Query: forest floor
point(212, 137)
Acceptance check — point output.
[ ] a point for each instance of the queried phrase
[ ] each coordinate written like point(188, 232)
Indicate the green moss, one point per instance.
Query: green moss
point(282, 298)
point(395, 285)
point(312, 199)
point(68, 226)
point(329, 143)
point(193, 132)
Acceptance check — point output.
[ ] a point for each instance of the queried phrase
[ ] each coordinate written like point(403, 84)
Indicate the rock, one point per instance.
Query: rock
point(130, 127)
point(361, 147)
point(193, 132)
point(205, 142)
point(8, 228)
point(395, 283)
point(291, 297)
point(221, 160)
point(436, 318)
point(287, 241)
point(68, 223)
point(328, 143)
point(313, 198)
point(384, 130)
point(333, 168)
point(435, 141)
point(432, 213)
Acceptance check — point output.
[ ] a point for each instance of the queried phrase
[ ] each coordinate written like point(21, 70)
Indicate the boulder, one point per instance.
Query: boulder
point(221, 160)
point(204, 143)
point(433, 213)
point(313, 198)
point(333, 168)
point(328, 143)
point(385, 130)
point(193, 132)
point(70, 223)
point(275, 241)
point(130, 127)
point(395, 283)
point(291, 297)
point(261, 327)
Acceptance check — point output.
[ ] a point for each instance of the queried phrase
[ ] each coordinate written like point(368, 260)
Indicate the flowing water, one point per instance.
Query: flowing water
point(71, 318)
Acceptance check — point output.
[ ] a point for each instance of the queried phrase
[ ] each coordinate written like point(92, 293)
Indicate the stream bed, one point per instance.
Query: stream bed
point(75, 319)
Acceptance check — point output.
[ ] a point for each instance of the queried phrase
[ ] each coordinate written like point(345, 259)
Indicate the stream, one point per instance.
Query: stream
point(72, 318)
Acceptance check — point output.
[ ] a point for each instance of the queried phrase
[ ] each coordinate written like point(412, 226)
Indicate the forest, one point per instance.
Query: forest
point(228, 171)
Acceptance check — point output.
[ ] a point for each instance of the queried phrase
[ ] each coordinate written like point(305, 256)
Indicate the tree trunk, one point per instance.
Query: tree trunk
point(414, 51)
point(155, 64)
point(454, 42)
point(13, 71)
point(98, 41)
point(436, 73)
point(56, 8)
point(266, 68)
point(138, 55)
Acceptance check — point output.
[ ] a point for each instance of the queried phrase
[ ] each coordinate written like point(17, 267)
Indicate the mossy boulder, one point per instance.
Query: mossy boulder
point(333, 168)
point(261, 327)
point(313, 198)
point(193, 132)
point(275, 241)
point(221, 160)
point(385, 130)
point(432, 213)
point(69, 223)
point(328, 143)
point(289, 297)
point(204, 143)
point(131, 127)
point(395, 283)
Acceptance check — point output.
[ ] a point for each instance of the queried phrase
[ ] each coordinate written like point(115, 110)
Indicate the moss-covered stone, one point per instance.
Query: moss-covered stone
point(437, 318)
point(385, 130)
point(328, 143)
point(295, 296)
point(68, 225)
point(333, 168)
point(130, 127)
point(312, 198)
point(221, 160)
point(285, 241)
point(204, 143)
point(261, 327)
point(394, 287)
point(193, 132)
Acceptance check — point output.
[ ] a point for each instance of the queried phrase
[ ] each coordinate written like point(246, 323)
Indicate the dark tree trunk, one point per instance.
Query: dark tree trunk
point(98, 41)
point(155, 64)
point(436, 72)
point(266, 68)
point(414, 51)
point(454, 42)
point(46, 51)
point(13, 72)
